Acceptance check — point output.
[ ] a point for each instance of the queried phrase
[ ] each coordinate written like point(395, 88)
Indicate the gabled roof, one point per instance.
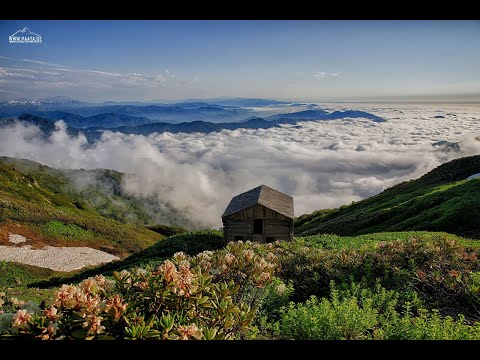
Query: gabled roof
point(262, 195)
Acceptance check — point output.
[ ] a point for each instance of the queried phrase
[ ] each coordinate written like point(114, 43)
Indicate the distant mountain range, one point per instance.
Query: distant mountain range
point(93, 126)
point(189, 116)
point(122, 115)
point(106, 120)
point(213, 110)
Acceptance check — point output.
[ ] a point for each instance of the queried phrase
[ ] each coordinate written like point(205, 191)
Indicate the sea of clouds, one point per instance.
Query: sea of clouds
point(322, 164)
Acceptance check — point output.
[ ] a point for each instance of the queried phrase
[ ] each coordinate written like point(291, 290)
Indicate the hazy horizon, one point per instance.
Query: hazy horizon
point(472, 99)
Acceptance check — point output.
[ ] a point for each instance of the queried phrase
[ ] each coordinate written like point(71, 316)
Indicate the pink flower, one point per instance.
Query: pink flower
point(248, 254)
point(229, 259)
point(49, 332)
point(88, 285)
point(94, 324)
point(183, 279)
point(169, 270)
point(65, 296)
point(179, 256)
point(21, 319)
point(51, 313)
point(116, 304)
point(142, 285)
point(271, 257)
point(189, 331)
point(264, 276)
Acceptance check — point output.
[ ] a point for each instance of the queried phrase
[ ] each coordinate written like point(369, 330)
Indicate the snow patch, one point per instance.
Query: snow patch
point(474, 176)
point(56, 258)
point(17, 239)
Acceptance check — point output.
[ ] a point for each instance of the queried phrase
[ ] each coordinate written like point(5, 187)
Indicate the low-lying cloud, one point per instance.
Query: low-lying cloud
point(322, 164)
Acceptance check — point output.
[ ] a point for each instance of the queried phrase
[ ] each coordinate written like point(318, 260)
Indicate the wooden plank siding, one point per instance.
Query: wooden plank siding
point(275, 225)
point(257, 212)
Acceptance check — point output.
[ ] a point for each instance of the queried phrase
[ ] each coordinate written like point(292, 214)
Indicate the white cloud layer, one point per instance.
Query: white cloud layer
point(322, 164)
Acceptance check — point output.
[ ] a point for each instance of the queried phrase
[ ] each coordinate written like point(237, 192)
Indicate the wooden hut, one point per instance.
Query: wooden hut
point(261, 214)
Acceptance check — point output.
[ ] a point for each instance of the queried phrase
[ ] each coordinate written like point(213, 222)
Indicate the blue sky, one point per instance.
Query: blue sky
point(297, 60)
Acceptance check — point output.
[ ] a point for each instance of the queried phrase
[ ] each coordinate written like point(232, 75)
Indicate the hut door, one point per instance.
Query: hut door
point(258, 226)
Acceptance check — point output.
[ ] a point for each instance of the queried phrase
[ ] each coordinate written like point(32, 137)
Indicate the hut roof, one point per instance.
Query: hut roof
point(263, 195)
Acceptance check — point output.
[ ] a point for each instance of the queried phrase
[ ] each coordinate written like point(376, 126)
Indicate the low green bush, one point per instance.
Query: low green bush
point(440, 270)
point(59, 229)
point(370, 314)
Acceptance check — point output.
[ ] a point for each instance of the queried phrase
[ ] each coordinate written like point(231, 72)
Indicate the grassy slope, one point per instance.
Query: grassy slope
point(101, 190)
point(328, 241)
point(441, 200)
point(41, 203)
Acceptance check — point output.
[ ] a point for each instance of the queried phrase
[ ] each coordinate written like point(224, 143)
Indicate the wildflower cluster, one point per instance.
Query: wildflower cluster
point(201, 297)
point(248, 264)
point(77, 311)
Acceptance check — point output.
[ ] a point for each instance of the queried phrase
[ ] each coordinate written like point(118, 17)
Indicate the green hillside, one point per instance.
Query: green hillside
point(41, 204)
point(441, 200)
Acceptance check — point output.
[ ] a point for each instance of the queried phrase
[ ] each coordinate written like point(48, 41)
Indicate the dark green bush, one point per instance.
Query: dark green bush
point(439, 270)
point(167, 230)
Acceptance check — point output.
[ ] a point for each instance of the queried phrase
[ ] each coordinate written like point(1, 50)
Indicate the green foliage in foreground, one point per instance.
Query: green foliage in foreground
point(367, 314)
point(202, 297)
point(409, 285)
point(441, 200)
point(440, 270)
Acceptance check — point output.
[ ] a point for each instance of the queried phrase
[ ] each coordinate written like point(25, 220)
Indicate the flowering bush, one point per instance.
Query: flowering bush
point(208, 296)
point(441, 271)
point(77, 312)
point(250, 265)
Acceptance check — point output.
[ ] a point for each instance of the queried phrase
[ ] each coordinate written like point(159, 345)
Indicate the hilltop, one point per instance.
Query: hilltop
point(441, 200)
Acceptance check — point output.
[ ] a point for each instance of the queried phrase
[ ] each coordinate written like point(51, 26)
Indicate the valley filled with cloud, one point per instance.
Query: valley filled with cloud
point(323, 164)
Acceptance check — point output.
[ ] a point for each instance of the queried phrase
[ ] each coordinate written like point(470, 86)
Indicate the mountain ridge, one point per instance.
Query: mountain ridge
point(94, 132)
point(441, 200)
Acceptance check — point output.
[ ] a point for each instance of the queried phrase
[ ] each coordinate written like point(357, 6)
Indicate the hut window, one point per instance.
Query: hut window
point(238, 237)
point(269, 239)
point(258, 226)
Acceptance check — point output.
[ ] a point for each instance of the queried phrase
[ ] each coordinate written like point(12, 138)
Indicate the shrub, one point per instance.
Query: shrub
point(328, 319)
point(360, 313)
point(428, 325)
point(59, 229)
point(277, 294)
point(250, 265)
point(439, 270)
point(183, 298)
point(167, 230)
